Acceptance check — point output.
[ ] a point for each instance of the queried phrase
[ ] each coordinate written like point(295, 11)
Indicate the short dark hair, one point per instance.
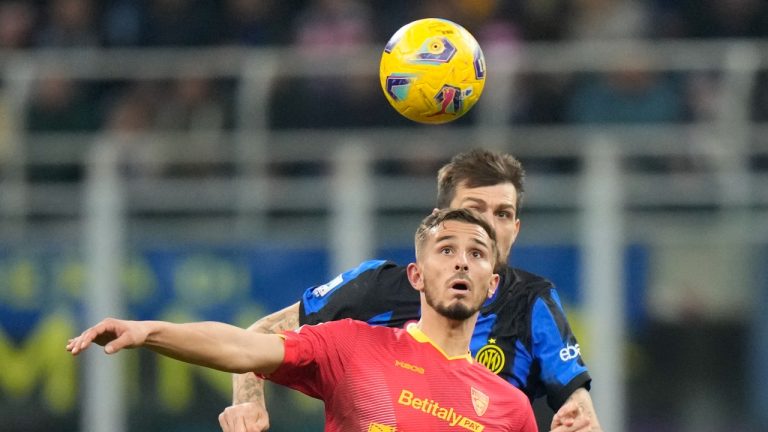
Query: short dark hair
point(478, 168)
point(437, 217)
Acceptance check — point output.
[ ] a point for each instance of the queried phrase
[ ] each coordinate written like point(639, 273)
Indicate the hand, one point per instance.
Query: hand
point(244, 417)
point(570, 418)
point(111, 333)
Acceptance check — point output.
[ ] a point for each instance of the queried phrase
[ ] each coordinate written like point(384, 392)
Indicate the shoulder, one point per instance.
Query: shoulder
point(534, 296)
point(518, 291)
point(330, 330)
point(372, 278)
point(353, 326)
point(359, 334)
point(340, 324)
point(374, 269)
point(515, 302)
point(522, 280)
point(375, 291)
point(377, 276)
point(370, 267)
point(360, 276)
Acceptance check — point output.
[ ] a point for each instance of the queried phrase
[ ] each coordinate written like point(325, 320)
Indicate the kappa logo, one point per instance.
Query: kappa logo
point(491, 356)
point(410, 367)
point(480, 401)
point(570, 352)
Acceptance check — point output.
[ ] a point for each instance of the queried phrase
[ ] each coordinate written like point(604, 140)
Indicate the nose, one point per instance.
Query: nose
point(461, 263)
point(462, 268)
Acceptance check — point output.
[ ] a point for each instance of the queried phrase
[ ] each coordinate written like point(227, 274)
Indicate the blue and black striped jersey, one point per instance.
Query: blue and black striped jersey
point(522, 333)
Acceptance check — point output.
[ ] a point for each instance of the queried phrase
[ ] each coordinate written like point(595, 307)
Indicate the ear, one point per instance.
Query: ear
point(494, 284)
point(415, 277)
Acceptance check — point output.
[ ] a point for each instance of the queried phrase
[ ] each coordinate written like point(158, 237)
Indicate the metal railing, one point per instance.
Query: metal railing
point(587, 184)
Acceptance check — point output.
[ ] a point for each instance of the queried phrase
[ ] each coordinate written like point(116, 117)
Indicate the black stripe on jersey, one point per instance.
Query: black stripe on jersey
point(562, 323)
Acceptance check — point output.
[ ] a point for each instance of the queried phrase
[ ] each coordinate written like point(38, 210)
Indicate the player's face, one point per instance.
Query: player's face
point(456, 269)
point(498, 205)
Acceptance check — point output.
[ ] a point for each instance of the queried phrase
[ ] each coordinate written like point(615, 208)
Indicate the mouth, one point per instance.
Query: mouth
point(460, 286)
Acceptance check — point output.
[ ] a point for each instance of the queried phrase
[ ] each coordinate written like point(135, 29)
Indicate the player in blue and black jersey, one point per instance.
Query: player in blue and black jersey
point(522, 333)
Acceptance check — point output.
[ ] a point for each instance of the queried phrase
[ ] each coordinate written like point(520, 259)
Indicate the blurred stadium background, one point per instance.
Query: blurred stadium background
point(209, 159)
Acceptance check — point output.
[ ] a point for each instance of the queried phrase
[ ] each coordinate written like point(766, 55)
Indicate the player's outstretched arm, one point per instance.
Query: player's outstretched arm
point(211, 344)
point(248, 412)
point(577, 414)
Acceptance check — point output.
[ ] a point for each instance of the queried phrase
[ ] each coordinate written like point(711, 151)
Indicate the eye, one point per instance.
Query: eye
point(505, 214)
point(478, 254)
point(446, 250)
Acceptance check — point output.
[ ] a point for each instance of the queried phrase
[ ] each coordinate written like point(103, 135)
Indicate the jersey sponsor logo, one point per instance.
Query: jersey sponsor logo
point(570, 352)
point(433, 408)
point(480, 401)
point(378, 427)
point(491, 356)
point(326, 288)
point(410, 367)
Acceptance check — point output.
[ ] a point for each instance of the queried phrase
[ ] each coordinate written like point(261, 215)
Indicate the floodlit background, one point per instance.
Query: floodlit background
point(210, 159)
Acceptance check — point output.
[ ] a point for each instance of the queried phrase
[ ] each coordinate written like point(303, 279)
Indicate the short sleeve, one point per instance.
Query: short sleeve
point(313, 357)
point(555, 347)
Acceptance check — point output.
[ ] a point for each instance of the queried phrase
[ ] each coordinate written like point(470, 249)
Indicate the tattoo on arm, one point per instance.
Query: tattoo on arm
point(286, 319)
point(248, 387)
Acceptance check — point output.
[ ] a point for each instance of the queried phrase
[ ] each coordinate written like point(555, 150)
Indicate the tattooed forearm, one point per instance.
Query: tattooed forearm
point(248, 387)
point(286, 319)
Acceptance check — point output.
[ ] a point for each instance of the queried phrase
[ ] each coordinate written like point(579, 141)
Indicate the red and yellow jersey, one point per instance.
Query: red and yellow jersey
point(383, 379)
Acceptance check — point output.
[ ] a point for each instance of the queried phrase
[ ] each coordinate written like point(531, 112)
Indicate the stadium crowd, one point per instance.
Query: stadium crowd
point(633, 95)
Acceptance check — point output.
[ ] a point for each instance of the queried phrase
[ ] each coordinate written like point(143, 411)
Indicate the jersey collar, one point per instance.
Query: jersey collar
point(415, 332)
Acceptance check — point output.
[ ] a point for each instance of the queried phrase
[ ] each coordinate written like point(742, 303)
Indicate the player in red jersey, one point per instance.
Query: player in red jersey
point(371, 378)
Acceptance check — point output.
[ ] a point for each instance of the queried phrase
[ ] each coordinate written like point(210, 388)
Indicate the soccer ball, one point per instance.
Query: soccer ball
point(432, 71)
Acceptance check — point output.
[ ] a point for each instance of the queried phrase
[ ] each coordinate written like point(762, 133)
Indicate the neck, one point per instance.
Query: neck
point(452, 336)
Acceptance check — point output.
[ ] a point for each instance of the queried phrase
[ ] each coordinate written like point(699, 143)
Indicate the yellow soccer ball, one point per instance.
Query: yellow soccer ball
point(432, 71)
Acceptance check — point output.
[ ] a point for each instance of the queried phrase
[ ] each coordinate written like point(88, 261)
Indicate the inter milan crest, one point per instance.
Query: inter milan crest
point(491, 356)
